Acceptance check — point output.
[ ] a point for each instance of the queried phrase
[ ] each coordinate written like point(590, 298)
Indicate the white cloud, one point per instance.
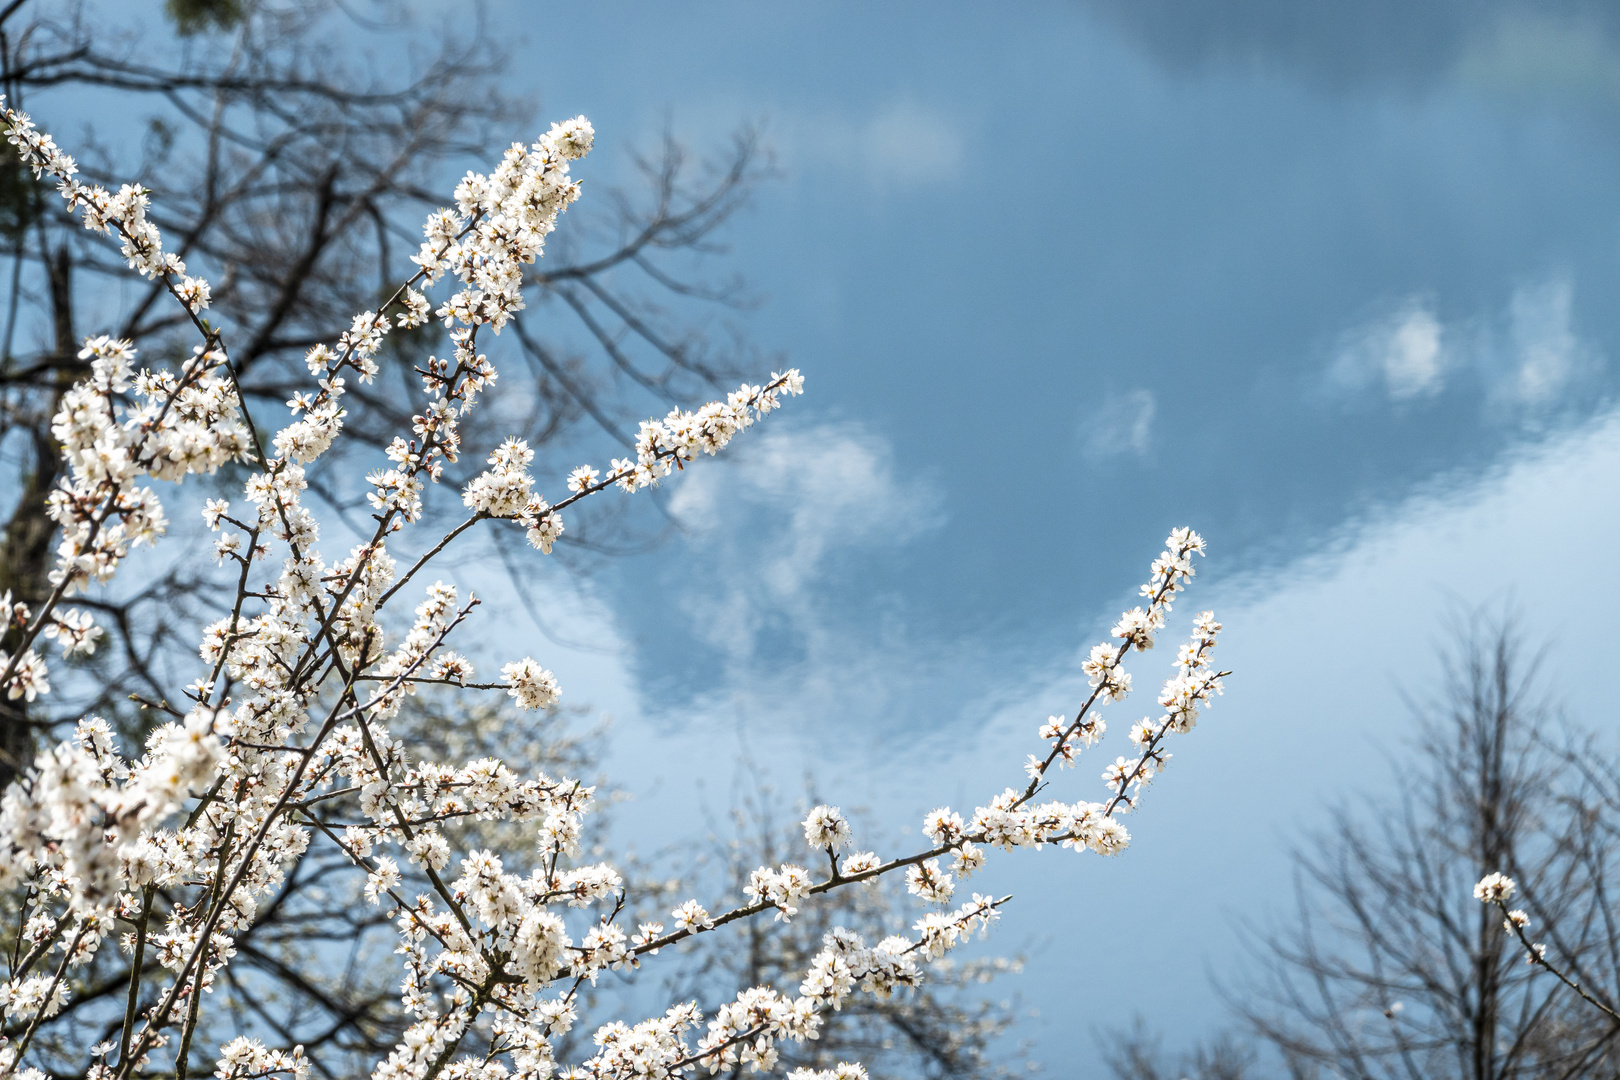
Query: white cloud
point(909, 144)
point(768, 522)
point(902, 144)
point(1404, 350)
point(1547, 356)
point(1121, 424)
point(1412, 358)
point(1525, 358)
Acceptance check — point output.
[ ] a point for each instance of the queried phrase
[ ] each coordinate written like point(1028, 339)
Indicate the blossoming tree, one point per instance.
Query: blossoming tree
point(285, 747)
point(291, 150)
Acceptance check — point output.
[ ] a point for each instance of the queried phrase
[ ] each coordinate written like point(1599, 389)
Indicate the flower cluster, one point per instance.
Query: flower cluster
point(243, 1057)
point(1494, 888)
point(781, 888)
point(500, 224)
point(178, 423)
point(506, 490)
point(826, 829)
point(532, 686)
point(664, 445)
point(1194, 685)
point(103, 211)
point(1171, 571)
point(76, 828)
point(845, 963)
point(1497, 888)
point(745, 1031)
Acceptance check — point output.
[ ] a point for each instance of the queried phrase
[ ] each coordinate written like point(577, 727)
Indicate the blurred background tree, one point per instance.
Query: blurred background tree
point(1389, 968)
point(297, 182)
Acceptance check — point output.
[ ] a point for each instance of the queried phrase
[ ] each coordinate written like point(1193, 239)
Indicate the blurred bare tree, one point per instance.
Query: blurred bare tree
point(297, 183)
point(1138, 1054)
point(1390, 968)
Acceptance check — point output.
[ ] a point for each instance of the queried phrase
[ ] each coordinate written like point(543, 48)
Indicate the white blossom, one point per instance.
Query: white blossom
point(531, 686)
point(826, 829)
point(1494, 888)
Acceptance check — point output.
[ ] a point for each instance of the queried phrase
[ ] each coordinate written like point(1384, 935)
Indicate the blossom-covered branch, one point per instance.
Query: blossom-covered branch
point(1496, 889)
point(176, 848)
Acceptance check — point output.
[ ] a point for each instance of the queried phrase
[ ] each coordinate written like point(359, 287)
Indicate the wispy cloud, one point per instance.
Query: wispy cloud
point(767, 529)
point(1403, 351)
point(900, 144)
point(909, 144)
point(1524, 358)
point(1121, 424)
point(1547, 357)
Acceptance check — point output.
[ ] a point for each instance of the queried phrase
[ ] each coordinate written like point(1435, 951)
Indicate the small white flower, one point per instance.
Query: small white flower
point(1494, 887)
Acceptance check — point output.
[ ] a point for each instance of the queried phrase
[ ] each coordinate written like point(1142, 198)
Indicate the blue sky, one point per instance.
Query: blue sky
point(1083, 292)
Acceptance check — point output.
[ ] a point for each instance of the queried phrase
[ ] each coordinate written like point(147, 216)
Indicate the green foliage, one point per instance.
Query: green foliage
point(20, 200)
point(200, 16)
